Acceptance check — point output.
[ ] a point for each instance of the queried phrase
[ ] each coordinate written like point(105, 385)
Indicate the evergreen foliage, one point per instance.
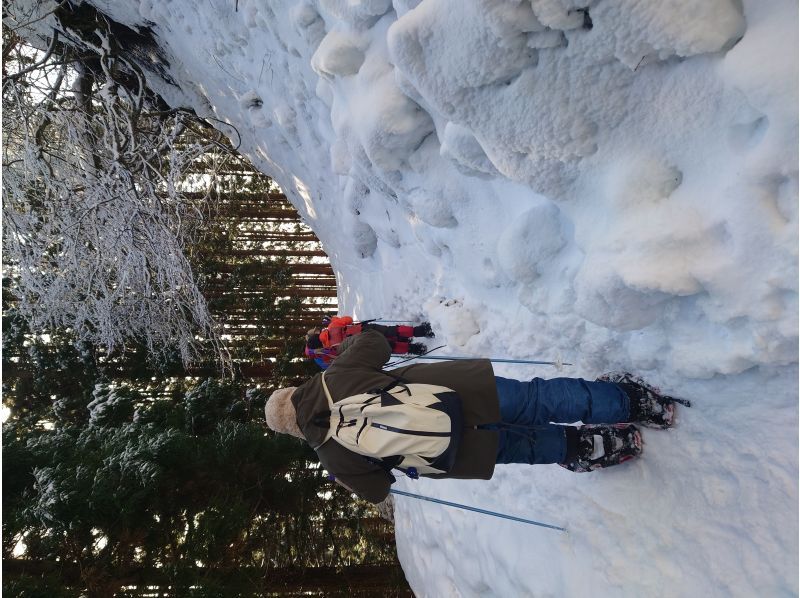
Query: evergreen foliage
point(184, 489)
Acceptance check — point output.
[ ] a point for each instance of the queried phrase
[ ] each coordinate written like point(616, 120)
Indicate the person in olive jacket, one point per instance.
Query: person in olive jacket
point(504, 420)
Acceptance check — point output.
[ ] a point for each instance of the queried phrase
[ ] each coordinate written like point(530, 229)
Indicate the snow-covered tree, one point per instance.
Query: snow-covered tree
point(96, 212)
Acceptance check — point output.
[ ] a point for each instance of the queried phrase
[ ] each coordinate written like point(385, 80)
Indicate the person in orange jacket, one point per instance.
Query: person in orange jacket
point(322, 344)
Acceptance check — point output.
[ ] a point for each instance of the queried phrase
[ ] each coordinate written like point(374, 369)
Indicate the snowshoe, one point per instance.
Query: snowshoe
point(423, 330)
point(649, 407)
point(599, 446)
point(417, 349)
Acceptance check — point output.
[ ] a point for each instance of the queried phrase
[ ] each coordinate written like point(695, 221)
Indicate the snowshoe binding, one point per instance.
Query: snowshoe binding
point(649, 407)
point(599, 446)
point(424, 330)
point(417, 349)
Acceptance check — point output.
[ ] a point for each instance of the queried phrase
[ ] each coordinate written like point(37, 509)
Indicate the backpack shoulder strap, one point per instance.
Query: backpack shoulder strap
point(330, 410)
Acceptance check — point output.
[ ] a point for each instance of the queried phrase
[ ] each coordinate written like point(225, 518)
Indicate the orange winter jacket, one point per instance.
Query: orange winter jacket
point(340, 328)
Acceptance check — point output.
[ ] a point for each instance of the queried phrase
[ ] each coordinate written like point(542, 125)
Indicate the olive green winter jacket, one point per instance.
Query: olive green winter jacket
point(357, 369)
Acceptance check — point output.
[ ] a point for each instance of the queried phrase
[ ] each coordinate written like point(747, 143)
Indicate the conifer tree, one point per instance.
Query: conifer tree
point(110, 483)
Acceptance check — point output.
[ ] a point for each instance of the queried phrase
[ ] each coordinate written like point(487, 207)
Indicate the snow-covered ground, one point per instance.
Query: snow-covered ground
point(620, 196)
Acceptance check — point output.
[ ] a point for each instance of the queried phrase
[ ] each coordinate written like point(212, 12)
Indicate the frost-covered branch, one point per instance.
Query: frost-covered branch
point(96, 219)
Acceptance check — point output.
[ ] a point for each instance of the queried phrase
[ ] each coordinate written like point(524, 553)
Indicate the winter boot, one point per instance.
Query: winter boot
point(417, 349)
point(648, 406)
point(424, 330)
point(599, 446)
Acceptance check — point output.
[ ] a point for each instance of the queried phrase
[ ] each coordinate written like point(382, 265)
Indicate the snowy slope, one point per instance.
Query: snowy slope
point(623, 196)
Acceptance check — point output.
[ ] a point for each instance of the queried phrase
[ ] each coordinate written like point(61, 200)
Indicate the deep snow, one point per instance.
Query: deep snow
point(623, 196)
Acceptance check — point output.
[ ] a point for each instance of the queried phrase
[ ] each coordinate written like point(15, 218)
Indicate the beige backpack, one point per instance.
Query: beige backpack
point(412, 427)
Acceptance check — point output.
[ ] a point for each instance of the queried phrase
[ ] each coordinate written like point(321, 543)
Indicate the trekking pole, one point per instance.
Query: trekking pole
point(392, 321)
point(483, 511)
point(399, 361)
point(495, 360)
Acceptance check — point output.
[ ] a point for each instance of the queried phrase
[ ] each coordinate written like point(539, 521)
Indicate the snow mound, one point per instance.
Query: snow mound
point(457, 322)
point(530, 242)
point(339, 54)
point(683, 28)
point(461, 147)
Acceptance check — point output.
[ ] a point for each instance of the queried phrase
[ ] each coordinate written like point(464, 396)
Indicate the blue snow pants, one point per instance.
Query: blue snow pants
point(528, 408)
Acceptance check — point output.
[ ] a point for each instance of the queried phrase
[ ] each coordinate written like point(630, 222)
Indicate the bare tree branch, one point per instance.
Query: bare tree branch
point(39, 63)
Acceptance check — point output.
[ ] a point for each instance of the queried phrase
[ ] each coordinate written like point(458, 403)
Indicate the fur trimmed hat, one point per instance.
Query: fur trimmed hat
point(280, 414)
